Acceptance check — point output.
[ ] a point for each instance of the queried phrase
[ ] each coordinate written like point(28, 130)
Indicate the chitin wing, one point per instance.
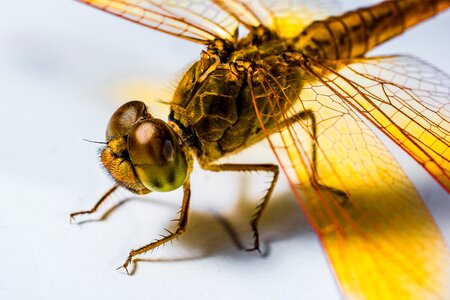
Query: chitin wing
point(194, 20)
point(292, 16)
point(285, 18)
point(377, 233)
point(203, 21)
point(406, 99)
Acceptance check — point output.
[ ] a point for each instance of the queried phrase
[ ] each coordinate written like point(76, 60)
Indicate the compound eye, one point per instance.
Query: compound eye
point(124, 119)
point(157, 158)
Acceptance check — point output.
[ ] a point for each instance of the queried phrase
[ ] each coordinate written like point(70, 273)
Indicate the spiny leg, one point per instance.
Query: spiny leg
point(309, 114)
point(265, 200)
point(182, 222)
point(97, 205)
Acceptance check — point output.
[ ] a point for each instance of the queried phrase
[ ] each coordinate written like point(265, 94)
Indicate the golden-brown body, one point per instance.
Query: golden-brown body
point(355, 33)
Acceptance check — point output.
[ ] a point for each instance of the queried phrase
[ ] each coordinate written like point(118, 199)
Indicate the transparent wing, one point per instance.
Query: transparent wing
point(203, 21)
point(292, 16)
point(406, 99)
point(287, 18)
point(199, 21)
point(378, 235)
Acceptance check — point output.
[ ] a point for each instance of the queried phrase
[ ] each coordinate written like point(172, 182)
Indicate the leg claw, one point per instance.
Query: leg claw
point(125, 265)
point(73, 215)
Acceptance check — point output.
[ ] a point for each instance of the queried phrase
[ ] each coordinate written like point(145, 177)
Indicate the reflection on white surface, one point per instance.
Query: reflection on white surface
point(60, 67)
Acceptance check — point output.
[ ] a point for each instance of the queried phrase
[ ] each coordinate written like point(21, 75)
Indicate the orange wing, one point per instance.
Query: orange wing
point(406, 99)
point(195, 20)
point(292, 16)
point(380, 239)
point(286, 18)
point(203, 21)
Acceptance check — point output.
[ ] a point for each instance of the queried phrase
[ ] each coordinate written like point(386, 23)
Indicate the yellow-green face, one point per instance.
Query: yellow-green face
point(143, 153)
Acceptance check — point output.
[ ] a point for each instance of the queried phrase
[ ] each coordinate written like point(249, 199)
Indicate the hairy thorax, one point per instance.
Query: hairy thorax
point(214, 103)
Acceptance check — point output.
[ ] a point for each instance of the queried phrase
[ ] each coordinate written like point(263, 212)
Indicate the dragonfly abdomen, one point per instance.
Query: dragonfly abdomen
point(356, 32)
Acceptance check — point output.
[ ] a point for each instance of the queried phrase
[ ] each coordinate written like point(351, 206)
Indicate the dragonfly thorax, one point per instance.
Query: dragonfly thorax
point(214, 103)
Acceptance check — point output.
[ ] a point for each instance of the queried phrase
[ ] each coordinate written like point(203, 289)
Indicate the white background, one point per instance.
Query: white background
point(64, 68)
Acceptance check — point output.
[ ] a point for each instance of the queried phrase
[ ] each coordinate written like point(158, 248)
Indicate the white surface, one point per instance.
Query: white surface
point(59, 65)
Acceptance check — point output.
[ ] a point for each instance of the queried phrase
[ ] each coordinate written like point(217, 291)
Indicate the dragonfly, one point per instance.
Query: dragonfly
point(299, 78)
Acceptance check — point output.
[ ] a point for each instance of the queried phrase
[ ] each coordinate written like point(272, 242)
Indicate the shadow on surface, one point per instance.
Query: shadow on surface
point(212, 233)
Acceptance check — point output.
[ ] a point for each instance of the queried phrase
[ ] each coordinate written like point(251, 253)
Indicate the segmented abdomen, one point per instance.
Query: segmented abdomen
point(356, 32)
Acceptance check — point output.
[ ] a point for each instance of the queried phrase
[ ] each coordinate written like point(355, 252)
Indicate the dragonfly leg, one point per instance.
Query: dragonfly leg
point(181, 228)
point(309, 115)
point(96, 206)
point(264, 201)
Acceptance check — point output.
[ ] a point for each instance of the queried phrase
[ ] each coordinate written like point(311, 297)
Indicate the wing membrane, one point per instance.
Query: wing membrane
point(286, 18)
point(195, 20)
point(203, 21)
point(380, 238)
point(292, 16)
point(249, 13)
point(407, 100)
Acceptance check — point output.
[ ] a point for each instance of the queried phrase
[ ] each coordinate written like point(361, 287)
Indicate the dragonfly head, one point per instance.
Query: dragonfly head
point(143, 153)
